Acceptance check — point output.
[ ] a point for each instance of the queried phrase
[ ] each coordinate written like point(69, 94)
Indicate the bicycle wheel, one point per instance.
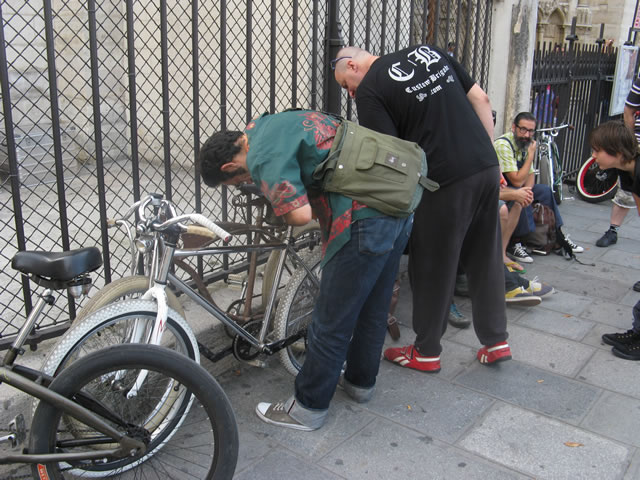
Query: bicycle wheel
point(123, 289)
point(309, 237)
point(557, 175)
point(196, 437)
point(294, 311)
point(595, 185)
point(130, 321)
point(544, 168)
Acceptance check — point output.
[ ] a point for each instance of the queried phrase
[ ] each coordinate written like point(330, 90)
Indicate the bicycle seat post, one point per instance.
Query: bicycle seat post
point(16, 347)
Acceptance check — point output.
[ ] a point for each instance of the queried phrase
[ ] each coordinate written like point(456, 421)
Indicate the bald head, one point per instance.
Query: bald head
point(351, 65)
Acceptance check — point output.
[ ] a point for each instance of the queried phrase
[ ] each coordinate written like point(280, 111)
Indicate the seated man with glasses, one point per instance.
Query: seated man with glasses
point(516, 151)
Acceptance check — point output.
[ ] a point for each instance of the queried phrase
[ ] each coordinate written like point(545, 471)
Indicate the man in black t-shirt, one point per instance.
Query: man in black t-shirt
point(424, 95)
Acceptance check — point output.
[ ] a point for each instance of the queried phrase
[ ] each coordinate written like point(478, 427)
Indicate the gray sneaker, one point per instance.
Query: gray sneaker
point(281, 414)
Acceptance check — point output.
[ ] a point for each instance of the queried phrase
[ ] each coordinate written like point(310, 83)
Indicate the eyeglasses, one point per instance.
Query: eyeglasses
point(524, 130)
point(336, 60)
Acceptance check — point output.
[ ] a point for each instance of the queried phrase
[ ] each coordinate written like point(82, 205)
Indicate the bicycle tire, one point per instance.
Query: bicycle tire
point(295, 309)
point(123, 289)
point(112, 325)
point(595, 185)
point(557, 175)
point(312, 230)
point(199, 440)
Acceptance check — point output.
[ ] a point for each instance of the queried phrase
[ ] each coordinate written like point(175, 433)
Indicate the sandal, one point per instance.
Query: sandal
point(515, 267)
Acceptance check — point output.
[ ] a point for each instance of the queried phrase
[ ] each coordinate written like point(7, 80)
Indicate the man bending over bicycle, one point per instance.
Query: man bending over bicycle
point(516, 151)
point(362, 248)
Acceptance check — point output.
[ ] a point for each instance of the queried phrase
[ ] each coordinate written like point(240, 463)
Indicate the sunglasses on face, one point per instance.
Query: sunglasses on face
point(336, 60)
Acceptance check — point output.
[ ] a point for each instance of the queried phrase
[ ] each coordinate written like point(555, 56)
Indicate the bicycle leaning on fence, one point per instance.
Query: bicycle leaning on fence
point(151, 319)
point(548, 165)
point(126, 407)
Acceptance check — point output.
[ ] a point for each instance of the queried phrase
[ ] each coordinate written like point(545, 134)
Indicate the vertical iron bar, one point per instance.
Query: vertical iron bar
point(166, 126)
point(55, 121)
point(273, 66)
point(314, 57)
point(367, 31)
point(195, 85)
point(223, 110)
point(294, 56)
point(425, 18)
point(97, 133)
point(411, 25)
point(249, 61)
point(383, 29)
point(436, 23)
point(133, 108)
point(474, 57)
point(398, 24)
point(352, 13)
point(13, 160)
point(459, 48)
point(333, 43)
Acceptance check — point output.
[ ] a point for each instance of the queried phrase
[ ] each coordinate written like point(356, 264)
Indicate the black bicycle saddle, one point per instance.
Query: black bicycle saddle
point(58, 266)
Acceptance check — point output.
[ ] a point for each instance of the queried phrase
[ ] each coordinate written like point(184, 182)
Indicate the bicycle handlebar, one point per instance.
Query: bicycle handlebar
point(193, 217)
point(553, 131)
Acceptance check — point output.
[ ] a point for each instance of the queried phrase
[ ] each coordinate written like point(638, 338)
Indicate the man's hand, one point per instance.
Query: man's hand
point(532, 150)
point(524, 196)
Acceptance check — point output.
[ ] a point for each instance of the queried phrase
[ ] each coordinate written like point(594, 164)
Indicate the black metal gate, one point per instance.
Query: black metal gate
point(104, 101)
point(572, 83)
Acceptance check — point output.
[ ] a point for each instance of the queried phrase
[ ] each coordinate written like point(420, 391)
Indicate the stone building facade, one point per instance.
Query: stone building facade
point(555, 17)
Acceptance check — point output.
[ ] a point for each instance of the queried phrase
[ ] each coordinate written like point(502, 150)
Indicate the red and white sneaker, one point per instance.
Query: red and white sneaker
point(409, 357)
point(499, 352)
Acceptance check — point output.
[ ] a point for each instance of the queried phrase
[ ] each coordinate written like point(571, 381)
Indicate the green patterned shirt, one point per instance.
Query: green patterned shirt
point(284, 150)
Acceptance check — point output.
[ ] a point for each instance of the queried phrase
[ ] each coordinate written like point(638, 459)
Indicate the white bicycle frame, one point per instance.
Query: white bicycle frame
point(157, 291)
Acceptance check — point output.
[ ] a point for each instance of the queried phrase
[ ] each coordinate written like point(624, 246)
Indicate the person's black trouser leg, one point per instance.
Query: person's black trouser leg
point(458, 222)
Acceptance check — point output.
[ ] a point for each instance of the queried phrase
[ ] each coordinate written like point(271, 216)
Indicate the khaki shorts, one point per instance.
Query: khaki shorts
point(623, 198)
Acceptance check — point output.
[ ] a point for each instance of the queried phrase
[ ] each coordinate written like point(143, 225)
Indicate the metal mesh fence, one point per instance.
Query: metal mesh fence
point(104, 101)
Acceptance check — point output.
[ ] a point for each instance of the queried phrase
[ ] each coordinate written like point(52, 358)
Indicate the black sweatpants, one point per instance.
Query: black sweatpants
point(459, 222)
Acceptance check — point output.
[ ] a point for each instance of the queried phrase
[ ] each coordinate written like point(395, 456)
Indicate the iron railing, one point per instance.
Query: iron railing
point(572, 83)
point(104, 101)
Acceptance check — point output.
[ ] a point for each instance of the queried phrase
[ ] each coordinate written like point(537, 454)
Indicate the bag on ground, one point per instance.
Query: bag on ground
point(544, 236)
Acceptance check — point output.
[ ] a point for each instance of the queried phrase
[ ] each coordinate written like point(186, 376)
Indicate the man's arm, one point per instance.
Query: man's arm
point(629, 115)
point(299, 216)
point(523, 176)
point(482, 106)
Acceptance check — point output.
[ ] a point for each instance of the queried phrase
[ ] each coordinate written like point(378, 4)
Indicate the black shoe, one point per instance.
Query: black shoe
point(610, 237)
point(636, 286)
point(620, 340)
point(628, 352)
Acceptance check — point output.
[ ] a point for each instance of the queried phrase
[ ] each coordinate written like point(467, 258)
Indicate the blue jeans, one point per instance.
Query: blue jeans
point(544, 195)
point(350, 316)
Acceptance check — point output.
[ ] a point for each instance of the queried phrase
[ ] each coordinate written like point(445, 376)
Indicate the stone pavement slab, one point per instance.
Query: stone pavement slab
point(546, 448)
point(532, 388)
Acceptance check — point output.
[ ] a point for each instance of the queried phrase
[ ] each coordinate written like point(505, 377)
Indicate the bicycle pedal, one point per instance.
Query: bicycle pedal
point(236, 281)
point(18, 434)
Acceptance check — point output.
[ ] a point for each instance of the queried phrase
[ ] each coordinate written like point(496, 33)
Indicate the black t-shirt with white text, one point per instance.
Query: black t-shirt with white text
point(420, 94)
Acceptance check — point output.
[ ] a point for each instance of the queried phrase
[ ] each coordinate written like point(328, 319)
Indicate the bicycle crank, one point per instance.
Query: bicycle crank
point(245, 351)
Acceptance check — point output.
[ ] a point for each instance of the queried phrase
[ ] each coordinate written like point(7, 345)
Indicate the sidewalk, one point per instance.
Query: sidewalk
point(563, 408)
